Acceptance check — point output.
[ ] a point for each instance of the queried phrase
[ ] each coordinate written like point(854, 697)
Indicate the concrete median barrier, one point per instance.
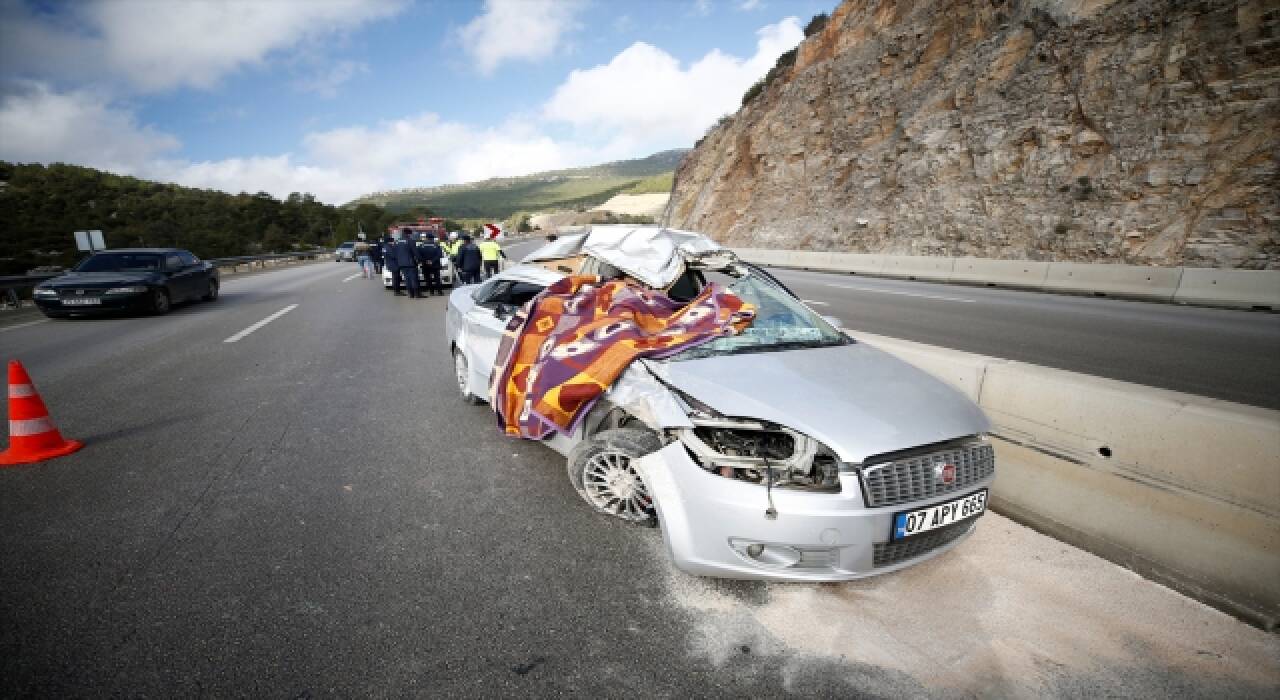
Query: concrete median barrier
point(918, 267)
point(1240, 288)
point(1024, 274)
point(1183, 489)
point(1132, 281)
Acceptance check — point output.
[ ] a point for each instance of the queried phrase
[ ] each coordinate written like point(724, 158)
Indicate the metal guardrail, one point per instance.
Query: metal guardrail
point(12, 287)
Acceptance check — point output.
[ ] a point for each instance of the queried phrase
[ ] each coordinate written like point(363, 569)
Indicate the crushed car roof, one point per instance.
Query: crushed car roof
point(651, 254)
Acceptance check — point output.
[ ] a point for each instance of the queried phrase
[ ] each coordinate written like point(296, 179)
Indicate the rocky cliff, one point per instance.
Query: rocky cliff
point(1141, 131)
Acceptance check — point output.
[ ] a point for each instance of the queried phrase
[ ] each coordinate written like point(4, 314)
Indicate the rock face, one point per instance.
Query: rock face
point(1142, 132)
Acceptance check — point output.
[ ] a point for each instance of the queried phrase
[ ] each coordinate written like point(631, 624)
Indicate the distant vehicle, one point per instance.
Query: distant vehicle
point(346, 251)
point(128, 279)
point(446, 274)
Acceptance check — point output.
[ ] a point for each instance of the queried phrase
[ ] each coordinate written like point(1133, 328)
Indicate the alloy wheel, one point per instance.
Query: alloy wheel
point(612, 485)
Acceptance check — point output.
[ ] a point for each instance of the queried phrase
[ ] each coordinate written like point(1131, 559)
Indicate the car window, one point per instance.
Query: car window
point(187, 258)
point(172, 262)
point(482, 292)
point(115, 262)
point(511, 293)
point(687, 286)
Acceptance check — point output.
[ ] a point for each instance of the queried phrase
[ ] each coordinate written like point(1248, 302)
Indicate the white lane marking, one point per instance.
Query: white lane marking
point(16, 326)
point(815, 302)
point(261, 323)
point(348, 279)
point(905, 294)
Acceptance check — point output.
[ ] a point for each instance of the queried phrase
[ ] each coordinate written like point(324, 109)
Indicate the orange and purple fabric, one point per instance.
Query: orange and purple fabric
point(561, 351)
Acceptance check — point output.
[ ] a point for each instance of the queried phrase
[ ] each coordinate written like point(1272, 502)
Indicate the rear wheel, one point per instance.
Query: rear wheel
point(463, 373)
point(160, 302)
point(602, 470)
point(212, 293)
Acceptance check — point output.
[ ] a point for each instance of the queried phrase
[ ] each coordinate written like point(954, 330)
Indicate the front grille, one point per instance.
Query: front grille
point(912, 478)
point(890, 553)
point(70, 293)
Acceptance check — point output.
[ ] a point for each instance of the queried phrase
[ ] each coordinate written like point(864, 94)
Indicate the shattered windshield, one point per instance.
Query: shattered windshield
point(781, 323)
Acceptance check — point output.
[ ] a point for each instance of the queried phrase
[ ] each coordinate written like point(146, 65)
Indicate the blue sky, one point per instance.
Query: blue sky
point(344, 97)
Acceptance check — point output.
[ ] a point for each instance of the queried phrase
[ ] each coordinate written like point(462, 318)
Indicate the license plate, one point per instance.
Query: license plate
point(81, 302)
point(915, 522)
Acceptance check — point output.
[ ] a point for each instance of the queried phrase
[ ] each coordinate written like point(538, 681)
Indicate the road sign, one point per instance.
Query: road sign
point(89, 241)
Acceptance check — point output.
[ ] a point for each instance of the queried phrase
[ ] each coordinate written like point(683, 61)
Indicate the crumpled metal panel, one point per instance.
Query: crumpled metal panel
point(641, 395)
point(653, 255)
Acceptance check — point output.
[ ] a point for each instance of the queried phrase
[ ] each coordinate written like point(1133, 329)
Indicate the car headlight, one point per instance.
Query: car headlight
point(126, 290)
point(44, 292)
point(758, 452)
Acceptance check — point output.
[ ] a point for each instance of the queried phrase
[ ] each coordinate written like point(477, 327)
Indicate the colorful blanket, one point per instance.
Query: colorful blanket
point(566, 346)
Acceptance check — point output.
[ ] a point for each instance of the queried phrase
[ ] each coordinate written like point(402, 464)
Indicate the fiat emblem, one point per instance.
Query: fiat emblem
point(944, 473)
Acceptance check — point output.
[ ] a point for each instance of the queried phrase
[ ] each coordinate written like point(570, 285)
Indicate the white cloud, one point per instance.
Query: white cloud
point(277, 175)
point(702, 8)
point(425, 149)
point(153, 45)
point(38, 124)
point(641, 101)
point(327, 81)
point(646, 95)
point(750, 5)
point(528, 30)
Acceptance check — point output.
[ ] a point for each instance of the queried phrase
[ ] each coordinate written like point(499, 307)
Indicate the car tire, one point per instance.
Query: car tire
point(461, 373)
point(602, 473)
point(212, 293)
point(160, 302)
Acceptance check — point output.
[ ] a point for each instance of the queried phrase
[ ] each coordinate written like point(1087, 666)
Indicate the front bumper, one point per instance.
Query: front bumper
point(708, 521)
point(112, 303)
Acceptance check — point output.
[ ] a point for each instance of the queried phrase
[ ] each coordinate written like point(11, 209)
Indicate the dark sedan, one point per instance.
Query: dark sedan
point(128, 279)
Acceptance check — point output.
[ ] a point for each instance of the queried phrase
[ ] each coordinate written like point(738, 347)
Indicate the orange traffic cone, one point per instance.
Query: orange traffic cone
point(32, 435)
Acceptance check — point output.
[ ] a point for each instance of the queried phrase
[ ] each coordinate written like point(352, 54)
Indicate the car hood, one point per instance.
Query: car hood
point(857, 400)
point(99, 279)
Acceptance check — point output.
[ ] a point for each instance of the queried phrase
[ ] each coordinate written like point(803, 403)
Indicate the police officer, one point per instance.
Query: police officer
point(406, 257)
point(490, 252)
point(468, 261)
point(375, 255)
point(430, 254)
point(389, 250)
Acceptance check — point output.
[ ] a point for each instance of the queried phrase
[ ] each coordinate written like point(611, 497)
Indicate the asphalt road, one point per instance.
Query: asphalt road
point(1219, 353)
point(311, 511)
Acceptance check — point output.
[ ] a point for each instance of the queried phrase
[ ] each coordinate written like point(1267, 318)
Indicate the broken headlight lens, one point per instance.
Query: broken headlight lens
point(758, 452)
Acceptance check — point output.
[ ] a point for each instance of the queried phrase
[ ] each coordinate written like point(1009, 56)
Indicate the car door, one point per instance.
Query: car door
point(487, 320)
point(195, 274)
point(178, 278)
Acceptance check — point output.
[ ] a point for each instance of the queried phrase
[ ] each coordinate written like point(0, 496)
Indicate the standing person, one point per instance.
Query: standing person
point(389, 249)
point(406, 257)
point(375, 255)
point(490, 252)
point(430, 255)
point(469, 260)
point(450, 248)
point(361, 251)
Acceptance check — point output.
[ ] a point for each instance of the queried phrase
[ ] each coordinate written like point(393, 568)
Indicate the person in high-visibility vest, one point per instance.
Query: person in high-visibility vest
point(490, 252)
point(451, 246)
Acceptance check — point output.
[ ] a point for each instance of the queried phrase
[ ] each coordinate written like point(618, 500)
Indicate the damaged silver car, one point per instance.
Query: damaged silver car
point(788, 451)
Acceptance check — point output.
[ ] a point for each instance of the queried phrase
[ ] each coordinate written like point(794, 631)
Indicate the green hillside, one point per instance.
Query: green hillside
point(499, 198)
